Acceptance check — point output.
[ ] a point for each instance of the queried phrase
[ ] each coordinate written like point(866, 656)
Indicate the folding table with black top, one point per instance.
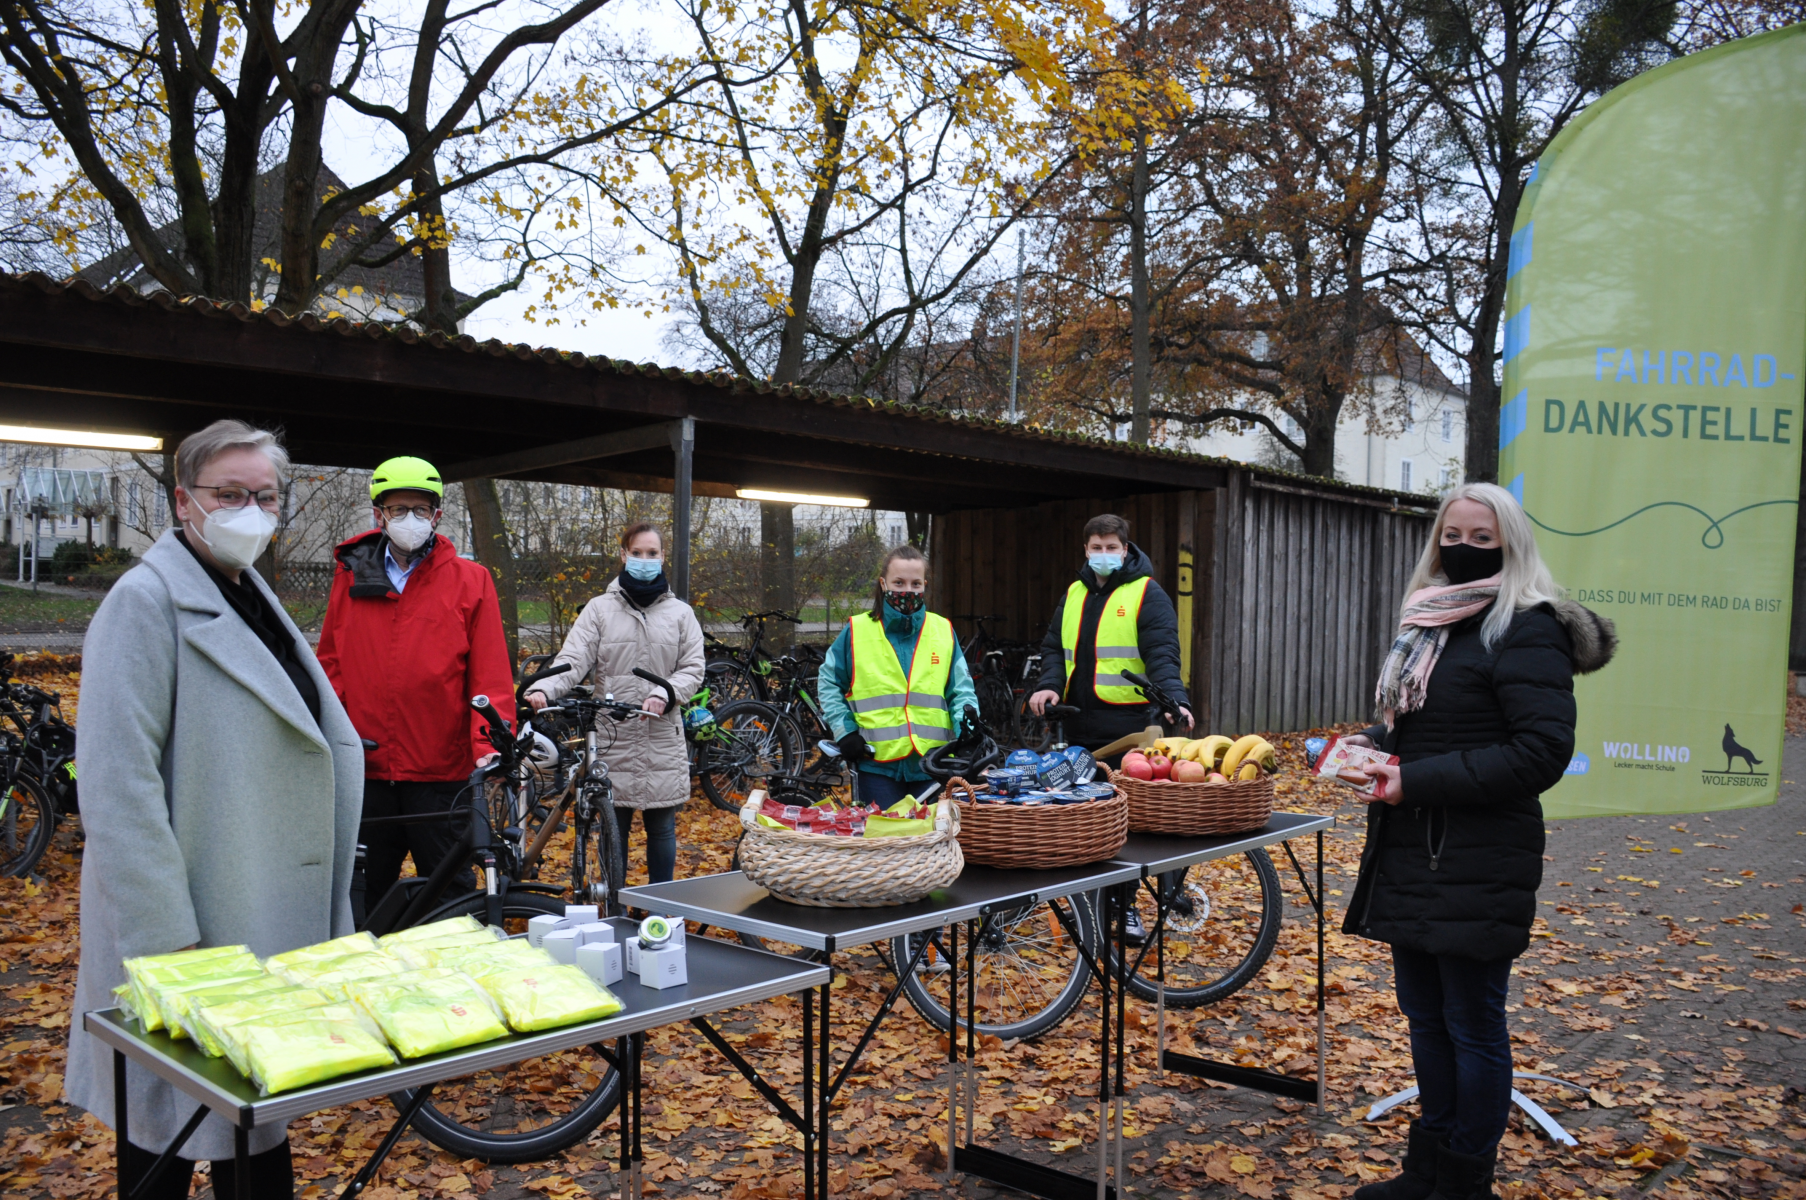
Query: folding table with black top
point(732, 902)
point(1157, 853)
point(722, 975)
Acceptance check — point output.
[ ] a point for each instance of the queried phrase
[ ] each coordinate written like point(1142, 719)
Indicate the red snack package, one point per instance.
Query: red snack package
point(1344, 764)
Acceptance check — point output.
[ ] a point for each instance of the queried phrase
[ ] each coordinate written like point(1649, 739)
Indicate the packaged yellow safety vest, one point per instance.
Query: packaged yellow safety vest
point(901, 715)
point(1118, 640)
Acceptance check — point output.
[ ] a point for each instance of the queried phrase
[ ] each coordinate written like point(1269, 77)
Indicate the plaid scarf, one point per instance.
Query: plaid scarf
point(1423, 630)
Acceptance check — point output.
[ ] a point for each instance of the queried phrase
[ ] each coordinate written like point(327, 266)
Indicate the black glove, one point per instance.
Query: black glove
point(854, 748)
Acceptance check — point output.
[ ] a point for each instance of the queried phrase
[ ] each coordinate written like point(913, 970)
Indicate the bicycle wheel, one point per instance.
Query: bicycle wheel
point(1030, 973)
point(527, 1111)
point(598, 867)
point(1216, 948)
point(751, 742)
point(728, 680)
point(27, 823)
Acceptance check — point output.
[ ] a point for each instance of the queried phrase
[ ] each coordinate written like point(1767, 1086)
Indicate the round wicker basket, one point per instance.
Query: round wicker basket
point(1195, 809)
point(1042, 836)
point(849, 872)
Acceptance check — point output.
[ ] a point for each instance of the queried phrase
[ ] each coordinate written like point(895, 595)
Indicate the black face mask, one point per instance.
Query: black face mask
point(1463, 563)
point(906, 603)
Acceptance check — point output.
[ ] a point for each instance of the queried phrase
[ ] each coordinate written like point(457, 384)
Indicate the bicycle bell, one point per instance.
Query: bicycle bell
point(655, 932)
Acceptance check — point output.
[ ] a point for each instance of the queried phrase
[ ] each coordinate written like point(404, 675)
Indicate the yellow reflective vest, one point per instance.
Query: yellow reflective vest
point(1118, 639)
point(901, 715)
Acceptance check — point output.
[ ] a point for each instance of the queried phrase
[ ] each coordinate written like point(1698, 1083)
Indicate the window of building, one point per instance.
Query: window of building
point(1448, 477)
point(133, 514)
point(1448, 424)
point(1292, 428)
point(161, 516)
point(1410, 416)
point(1404, 476)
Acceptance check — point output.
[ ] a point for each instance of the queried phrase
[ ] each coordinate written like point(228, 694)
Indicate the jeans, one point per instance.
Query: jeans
point(271, 1175)
point(661, 839)
point(884, 791)
point(387, 846)
point(1460, 1046)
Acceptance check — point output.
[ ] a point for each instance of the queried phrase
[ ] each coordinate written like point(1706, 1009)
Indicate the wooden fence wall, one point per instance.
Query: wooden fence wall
point(1295, 591)
point(1304, 590)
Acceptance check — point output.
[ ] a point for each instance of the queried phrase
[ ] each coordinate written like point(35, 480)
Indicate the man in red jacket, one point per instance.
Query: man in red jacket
point(411, 633)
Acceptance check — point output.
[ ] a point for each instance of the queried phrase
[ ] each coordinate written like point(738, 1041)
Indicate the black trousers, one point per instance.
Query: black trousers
point(387, 846)
point(272, 1175)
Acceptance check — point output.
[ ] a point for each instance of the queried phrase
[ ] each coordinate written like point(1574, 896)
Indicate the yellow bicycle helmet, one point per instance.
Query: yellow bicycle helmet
point(406, 474)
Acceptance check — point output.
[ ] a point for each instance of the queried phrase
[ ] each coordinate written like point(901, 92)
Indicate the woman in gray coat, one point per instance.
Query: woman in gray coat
point(221, 786)
point(637, 622)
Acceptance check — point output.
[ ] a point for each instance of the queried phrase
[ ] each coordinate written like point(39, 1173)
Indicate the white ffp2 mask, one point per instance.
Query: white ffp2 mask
point(409, 532)
point(237, 536)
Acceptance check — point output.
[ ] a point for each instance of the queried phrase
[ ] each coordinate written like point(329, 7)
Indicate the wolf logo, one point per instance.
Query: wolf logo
point(1733, 752)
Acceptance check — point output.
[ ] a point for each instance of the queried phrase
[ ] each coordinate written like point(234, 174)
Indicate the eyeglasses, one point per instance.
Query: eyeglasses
point(236, 497)
point(396, 512)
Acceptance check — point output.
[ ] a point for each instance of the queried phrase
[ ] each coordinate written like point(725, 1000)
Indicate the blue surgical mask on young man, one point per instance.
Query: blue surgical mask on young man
point(1104, 564)
point(645, 569)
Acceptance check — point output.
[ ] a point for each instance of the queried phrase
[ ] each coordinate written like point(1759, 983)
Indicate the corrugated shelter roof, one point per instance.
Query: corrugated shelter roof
point(351, 394)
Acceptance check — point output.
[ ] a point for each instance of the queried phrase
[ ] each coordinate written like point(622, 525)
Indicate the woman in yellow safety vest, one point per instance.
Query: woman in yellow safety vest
point(894, 684)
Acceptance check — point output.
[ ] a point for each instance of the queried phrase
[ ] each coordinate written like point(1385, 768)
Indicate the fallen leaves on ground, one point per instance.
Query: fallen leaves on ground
point(1701, 1115)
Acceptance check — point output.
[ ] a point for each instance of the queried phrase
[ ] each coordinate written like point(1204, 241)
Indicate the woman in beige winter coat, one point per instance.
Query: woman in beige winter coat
point(637, 622)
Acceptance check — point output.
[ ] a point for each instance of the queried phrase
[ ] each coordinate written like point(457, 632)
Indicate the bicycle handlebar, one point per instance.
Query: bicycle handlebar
point(499, 734)
point(1155, 695)
point(662, 684)
point(520, 690)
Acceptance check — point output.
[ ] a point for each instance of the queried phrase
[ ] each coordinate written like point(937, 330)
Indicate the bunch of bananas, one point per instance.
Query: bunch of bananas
point(1234, 758)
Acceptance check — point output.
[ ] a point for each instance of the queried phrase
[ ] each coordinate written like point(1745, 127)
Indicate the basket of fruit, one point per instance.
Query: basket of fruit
point(846, 858)
point(1088, 828)
point(1196, 787)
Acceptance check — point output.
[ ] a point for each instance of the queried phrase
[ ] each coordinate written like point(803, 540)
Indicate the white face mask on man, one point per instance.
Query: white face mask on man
point(410, 532)
point(237, 536)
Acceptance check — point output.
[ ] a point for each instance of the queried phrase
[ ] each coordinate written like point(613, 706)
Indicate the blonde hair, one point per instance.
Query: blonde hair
point(1524, 580)
point(199, 449)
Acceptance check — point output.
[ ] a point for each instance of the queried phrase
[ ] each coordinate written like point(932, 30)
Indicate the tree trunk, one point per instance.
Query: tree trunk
point(489, 529)
point(1140, 426)
point(777, 566)
point(435, 260)
point(1320, 438)
point(919, 525)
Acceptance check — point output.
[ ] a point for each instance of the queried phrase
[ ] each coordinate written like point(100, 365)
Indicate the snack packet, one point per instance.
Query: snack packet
point(429, 1011)
point(1343, 762)
point(212, 1025)
point(212, 963)
point(438, 929)
point(548, 997)
point(351, 943)
point(877, 826)
point(309, 1047)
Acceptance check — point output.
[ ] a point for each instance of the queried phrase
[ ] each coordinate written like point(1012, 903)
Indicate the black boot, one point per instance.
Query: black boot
point(1464, 1176)
point(1133, 933)
point(1417, 1179)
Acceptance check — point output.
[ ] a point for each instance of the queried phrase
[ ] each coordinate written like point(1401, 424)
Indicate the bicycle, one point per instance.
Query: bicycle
point(741, 673)
point(526, 1111)
point(997, 675)
point(39, 773)
point(1224, 913)
point(1031, 973)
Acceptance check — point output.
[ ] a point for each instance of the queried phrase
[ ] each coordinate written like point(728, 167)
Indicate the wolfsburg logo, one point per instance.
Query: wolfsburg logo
point(1735, 751)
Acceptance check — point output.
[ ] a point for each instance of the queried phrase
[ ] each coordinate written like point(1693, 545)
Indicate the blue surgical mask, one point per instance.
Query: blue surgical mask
point(1104, 564)
point(645, 569)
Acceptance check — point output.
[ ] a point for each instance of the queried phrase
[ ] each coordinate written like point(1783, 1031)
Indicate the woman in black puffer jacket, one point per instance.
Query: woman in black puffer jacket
point(1478, 698)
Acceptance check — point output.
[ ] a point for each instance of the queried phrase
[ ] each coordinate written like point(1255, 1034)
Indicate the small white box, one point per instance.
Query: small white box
point(561, 944)
point(582, 914)
point(594, 931)
point(633, 955)
point(663, 968)
point(677, 933)
point(601, 961)
point(538, 927)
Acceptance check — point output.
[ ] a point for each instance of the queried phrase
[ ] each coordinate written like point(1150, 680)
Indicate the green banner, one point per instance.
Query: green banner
point(1655, 360)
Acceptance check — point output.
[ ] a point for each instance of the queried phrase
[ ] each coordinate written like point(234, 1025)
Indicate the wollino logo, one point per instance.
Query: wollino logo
point(1735, 751)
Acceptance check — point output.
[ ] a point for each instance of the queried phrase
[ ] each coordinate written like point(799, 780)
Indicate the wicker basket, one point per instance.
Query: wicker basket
point(849, 872)
point(1196, 809)
point(1040, 836)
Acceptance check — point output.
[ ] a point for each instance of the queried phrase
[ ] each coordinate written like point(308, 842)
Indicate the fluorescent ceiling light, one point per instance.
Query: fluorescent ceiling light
point(79, 437)
point(802, 498)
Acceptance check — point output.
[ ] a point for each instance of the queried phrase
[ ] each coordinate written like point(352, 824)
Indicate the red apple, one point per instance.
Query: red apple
point(1163, 766)
point(1135, 766)
point(1189, 772)
point(1217, 777)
